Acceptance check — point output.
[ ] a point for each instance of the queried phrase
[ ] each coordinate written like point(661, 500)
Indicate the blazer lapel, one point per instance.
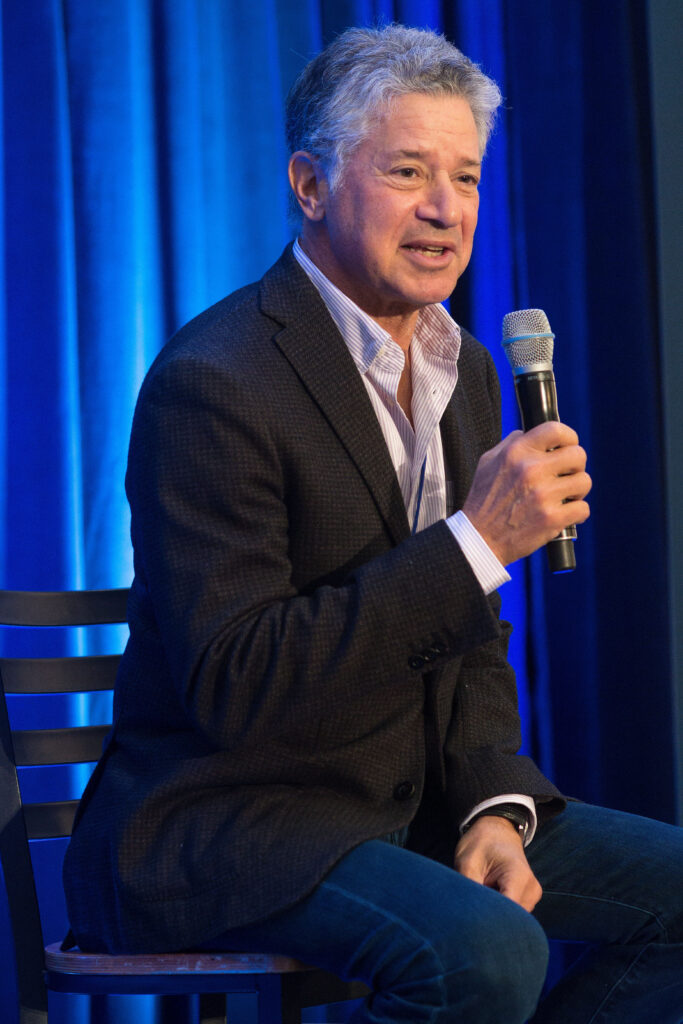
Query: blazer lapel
point(459, 448)
point(310, 341)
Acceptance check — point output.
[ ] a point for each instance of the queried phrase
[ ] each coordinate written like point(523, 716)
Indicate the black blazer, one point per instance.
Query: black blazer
point(298, 663)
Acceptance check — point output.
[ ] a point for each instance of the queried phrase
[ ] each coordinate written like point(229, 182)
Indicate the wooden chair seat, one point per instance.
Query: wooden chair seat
point(282, 984)
point(136, 965)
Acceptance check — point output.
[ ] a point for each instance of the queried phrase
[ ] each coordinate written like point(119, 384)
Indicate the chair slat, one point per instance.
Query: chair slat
point(59, 675)
point(58, 746)
point(62, 608)
point(50, 821)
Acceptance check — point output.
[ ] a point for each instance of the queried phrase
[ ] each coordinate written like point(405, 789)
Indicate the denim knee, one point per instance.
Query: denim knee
point(506, 960)
point(485, 971)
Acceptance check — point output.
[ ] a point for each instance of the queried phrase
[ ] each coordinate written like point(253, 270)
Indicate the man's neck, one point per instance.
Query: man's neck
point(399, 325)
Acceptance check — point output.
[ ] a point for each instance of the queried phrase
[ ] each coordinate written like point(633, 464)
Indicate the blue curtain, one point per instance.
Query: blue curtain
point(583, 185)
point(143, 158)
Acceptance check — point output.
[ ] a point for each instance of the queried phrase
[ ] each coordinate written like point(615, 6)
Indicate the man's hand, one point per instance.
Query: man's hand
point(527, 489)
point(491, 853)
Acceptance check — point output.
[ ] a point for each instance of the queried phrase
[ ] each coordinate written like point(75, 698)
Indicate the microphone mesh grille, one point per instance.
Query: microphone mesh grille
point(522, 350)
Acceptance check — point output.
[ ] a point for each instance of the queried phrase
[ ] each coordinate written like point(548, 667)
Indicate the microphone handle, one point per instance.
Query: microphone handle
point(537, 400)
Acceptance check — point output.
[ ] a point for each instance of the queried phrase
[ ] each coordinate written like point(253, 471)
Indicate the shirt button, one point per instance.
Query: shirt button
point(404, 790)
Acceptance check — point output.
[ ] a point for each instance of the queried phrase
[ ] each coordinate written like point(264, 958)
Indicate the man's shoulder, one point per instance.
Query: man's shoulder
point(215, 325)
point(244, 310)
point(235, 329)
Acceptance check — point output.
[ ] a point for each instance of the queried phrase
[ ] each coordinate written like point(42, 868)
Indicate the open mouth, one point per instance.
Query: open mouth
point(428, 250)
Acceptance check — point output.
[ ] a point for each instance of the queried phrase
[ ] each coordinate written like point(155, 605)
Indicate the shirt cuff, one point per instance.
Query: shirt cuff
point(490, 573)
point(508, 798)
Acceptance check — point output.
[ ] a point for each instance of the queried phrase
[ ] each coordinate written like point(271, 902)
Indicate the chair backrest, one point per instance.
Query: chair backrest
point(20, 747)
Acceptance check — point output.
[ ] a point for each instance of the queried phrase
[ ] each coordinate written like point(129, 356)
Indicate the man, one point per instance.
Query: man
point(316, 728)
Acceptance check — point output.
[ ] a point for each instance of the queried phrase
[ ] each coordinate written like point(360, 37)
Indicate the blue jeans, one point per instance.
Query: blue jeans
point(437, 948)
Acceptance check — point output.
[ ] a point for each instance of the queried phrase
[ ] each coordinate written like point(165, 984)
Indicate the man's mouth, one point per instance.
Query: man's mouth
point(428, 250)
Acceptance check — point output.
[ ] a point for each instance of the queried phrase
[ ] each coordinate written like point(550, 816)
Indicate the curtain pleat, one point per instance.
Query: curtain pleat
point(43, 536)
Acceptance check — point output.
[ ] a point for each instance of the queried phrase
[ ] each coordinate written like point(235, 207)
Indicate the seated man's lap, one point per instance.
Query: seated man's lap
point(602, 872)
point(396, 918)
point(427, 940)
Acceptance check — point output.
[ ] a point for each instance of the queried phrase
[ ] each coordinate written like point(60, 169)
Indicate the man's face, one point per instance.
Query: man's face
point(397, 232)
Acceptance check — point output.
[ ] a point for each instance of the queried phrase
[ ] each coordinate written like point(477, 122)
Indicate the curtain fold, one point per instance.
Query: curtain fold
point(42, 411)
point(547, 170)
point(144, 157)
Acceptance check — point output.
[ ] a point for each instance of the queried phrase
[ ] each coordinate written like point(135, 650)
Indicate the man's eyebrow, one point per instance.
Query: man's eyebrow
point(419, 154)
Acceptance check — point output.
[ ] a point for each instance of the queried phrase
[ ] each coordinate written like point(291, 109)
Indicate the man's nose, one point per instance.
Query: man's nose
point(441, 203)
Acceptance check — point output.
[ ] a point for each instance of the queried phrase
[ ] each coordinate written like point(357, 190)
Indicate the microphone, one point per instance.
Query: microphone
point(528, 345)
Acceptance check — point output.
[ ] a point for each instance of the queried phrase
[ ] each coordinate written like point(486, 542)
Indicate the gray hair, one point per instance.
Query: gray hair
point(331, 106)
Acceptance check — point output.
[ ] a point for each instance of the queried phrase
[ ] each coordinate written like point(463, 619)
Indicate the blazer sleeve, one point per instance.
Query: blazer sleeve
point(482, 756)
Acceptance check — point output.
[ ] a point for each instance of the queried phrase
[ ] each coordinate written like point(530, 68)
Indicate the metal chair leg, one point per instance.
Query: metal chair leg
point(212, 1008)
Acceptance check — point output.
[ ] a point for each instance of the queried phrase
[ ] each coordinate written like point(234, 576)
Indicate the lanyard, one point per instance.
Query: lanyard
point(418, 501)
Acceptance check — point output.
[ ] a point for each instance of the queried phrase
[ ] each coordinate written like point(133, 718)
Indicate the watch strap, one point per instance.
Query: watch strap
point(514, 813)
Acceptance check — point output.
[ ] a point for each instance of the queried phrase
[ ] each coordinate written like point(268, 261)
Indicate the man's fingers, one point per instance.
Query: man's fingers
point(551, 434)
point(513, 879)
point(521, 886)
point(527, 489)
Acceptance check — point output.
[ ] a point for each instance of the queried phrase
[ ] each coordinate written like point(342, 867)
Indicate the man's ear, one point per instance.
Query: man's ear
point(308, 184)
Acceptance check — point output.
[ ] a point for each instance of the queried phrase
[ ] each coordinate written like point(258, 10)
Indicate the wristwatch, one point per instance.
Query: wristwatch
point(516, 813)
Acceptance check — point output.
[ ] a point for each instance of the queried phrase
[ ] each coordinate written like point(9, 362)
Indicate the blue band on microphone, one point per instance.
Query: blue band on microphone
point(528, 337)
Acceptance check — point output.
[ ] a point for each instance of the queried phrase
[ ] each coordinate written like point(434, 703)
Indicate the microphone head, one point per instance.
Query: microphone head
point(528, 341)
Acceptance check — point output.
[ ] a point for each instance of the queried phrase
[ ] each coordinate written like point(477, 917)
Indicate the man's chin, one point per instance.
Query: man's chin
point(435, 289)
point(430, 296)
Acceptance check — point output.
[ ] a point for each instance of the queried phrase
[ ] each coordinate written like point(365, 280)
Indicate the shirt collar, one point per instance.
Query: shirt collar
point(436, 332)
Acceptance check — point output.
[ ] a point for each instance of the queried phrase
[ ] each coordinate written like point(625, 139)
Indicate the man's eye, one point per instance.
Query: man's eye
point(406, 172)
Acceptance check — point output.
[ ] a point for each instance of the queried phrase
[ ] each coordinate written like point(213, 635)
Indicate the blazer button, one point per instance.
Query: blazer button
point(416, 661)
point(404, 790)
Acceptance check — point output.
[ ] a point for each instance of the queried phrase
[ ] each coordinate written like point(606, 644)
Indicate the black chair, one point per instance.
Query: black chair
point(282, 985)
